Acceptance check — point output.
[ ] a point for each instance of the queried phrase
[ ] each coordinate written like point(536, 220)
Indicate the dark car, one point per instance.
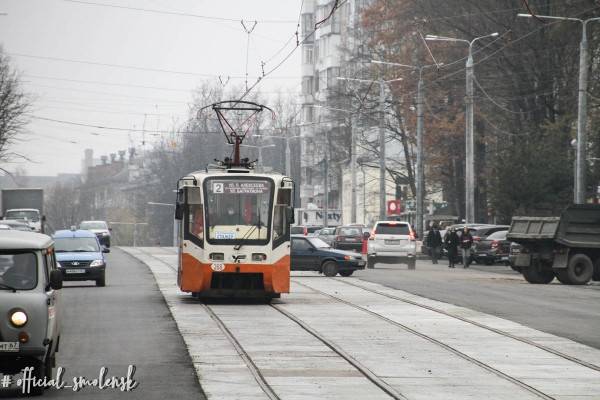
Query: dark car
point(486, 231)
point(313, 254)
point(80, 256)
point(492, 249)
point(348, 238)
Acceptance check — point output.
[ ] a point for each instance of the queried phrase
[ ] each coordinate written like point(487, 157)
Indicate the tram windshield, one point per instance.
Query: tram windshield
point(238, 210)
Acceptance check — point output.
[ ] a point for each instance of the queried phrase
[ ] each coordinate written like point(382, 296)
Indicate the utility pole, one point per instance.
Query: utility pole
point(469, 133)
point(581, 157)
point(326, 180)
point(420, 181)
point(382, 172)
point(353, 204)
point(470, 145)
point(420, 165)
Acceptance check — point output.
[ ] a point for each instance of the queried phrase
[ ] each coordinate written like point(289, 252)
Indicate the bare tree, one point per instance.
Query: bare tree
point(14, 105)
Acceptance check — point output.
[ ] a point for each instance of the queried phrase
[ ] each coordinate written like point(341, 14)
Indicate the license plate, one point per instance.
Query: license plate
point(481, 254)
point(504, 259)
point(390, 241)
point(75, 271)
point(9, 346)
point(350, 240)
point(361, 263)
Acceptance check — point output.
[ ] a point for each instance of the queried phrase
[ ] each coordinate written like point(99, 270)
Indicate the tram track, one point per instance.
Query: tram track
point(255, 371)
point(451, 349)
point(475, 323)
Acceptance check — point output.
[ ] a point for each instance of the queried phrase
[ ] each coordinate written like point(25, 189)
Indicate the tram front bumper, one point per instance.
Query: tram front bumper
point(234, 279)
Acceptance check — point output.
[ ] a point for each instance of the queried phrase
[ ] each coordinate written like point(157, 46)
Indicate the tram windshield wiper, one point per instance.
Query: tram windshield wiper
point(247, 235)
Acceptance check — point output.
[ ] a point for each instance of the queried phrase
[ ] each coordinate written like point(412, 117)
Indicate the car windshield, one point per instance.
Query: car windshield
point(297, 230)
point(327, 231)
point(238, 210)
point(92, 225)
point(81, 244)
point(350, 231)
point(318, 243)
point(392, 229)
point(18, 271)
point(500, 235)
point(30, 215)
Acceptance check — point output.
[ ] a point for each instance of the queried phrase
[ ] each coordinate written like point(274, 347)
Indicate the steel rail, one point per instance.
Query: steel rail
point(439, 343)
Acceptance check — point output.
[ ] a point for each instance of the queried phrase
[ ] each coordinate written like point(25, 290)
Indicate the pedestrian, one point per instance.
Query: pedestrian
point(451, 243)
point(434, 243)
point(466, 241)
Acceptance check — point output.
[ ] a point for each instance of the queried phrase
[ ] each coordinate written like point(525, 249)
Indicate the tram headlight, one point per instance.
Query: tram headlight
point(18, 318)
point(259, 257)
point(217, 256)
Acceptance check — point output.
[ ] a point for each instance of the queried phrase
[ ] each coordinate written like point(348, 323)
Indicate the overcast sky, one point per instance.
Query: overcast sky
point(37, 32)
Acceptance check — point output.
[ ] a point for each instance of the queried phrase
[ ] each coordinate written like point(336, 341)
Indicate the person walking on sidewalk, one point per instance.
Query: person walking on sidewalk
point(466, 242)
point(451, 244)
point(434, 242)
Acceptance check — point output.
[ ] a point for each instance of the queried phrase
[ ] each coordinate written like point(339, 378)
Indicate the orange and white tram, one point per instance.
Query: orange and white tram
point(234, 233)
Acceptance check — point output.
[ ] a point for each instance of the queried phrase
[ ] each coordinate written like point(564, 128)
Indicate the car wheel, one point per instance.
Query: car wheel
point(329, 268)
point(346, 273)
point(489, 262)
point(101, 282)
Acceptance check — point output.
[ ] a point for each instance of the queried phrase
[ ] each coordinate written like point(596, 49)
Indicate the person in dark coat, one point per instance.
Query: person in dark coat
point(466, 242)
point(451, 240)
point(434, 243)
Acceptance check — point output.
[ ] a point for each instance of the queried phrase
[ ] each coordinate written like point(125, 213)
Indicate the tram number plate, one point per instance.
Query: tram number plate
point(217, 267)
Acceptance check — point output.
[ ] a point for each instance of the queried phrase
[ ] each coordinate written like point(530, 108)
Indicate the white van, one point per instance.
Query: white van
point(392, 242)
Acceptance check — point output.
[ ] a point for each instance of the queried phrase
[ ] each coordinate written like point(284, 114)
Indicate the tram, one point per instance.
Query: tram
point(234, 228)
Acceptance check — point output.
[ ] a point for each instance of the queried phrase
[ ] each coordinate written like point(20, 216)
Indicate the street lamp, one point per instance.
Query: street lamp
point(470, 138)
point(288, 152)
point(381, 82)
point(420, 152)
point(580, 163)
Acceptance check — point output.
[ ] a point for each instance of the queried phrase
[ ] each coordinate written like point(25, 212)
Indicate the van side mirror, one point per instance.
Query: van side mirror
point(366, 235)
point(56, 279)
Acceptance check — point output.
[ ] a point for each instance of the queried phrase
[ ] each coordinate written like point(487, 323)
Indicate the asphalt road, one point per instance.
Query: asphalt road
point(568, 311)
point(125, 323)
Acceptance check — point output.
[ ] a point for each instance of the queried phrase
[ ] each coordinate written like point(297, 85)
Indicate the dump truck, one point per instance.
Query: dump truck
point(26, 205)
point(565, 247)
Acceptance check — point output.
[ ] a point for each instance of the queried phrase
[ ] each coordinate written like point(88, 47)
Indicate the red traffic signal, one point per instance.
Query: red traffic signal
point(394, 207)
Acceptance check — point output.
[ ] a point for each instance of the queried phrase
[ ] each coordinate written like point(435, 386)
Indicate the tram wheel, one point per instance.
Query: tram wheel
point(329, 268)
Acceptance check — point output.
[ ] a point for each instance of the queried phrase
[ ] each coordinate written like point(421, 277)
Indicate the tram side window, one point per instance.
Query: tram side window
point(196, 220)
point(196, 212)
point(280, 225)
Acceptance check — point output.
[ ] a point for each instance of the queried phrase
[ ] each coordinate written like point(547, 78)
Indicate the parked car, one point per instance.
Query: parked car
point(326, 235)
point(313, 254)
point(100, 228)
point(494, 248)
point(484, 232)
point(348, 238)
point(29, 304)
point(80, 256)
point(392, 242)
point(514, 250)
point(17, 225)
point(304, 229)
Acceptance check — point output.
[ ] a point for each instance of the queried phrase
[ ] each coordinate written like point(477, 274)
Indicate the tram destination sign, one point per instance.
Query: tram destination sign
point(240, 187)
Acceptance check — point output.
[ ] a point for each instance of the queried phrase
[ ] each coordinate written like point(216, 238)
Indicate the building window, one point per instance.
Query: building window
point(308, 26)
point(307, 55)
point(307, 85)
point(332, 74)
point(323, 79)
